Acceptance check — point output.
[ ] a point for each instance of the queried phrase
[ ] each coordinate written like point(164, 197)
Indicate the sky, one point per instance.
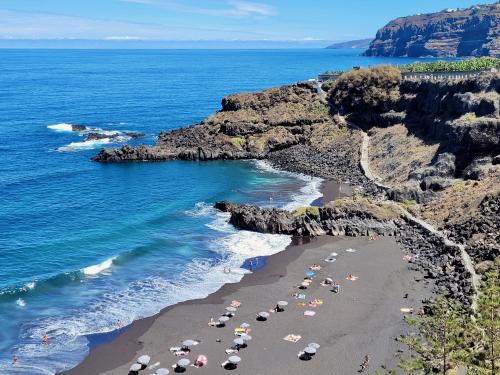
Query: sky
point(307, 21)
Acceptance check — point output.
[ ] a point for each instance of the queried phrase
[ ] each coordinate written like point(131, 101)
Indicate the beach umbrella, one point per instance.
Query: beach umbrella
point(144, 360)
point(334, 254)
point(188, 343)
point(310, 274)
point(264, 314)
point(314, 345)
point(184, 362)
point(201, 360)
point(135, 367)
point(245, 325)
point(162, 371)
point(238, 341)
point(310, 350)
point(304, 285)
point(234, 359)
point(282, 303)
point(223, 319)
point(231, 309)
point(245, 337)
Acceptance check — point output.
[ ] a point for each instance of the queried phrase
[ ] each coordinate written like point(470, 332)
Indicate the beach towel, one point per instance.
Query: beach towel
point(299, 296)
point(309, 313)
point(301, 304)
point(174, 349)
point(292, 338)
point(352, 278)
point(406, 310)
point(231, 351)
point(350, 250)
point(235, 304)
point(315, 267)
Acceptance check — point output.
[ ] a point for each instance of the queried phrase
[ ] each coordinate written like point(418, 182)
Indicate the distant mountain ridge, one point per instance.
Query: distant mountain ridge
point(474, 31)
point(354, 44)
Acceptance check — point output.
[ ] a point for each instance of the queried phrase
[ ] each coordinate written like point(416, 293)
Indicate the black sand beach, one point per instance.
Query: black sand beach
point(362, 319)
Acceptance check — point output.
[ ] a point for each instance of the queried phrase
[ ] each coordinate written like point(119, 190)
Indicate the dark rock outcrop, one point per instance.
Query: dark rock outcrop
point(78, 128)
point(480, 231)
point(471, 32)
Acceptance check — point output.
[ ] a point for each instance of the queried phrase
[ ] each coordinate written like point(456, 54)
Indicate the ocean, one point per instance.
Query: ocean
point(85, 247)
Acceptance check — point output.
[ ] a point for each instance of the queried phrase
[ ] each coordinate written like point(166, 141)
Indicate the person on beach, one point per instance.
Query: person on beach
point(45, 340)
point(365, 364)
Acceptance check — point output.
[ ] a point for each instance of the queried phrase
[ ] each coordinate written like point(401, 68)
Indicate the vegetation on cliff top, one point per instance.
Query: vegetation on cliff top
point(482, 63)
point(366, 89)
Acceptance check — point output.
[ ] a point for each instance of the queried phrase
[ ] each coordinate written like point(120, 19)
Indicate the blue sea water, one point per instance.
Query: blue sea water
point(87, 247)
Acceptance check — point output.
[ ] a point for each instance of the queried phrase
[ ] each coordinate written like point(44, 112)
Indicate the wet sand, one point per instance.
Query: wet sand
point(362, 319)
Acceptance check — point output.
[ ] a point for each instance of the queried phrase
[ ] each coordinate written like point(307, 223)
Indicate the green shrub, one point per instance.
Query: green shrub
point(408, 203)
point(309, 211)
point(365, 90)
point(458, 186)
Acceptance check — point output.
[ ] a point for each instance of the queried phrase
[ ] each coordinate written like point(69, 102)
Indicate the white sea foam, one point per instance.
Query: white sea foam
point(30, 285)
point(98, 268)
point(20, 302)
point(85, 145)
point(61, 127)
point(307, 194)
point(201, 209)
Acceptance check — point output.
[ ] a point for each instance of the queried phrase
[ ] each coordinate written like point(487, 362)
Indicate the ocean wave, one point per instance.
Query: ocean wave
point(306, 195)
point(98, 268)
point(84, 145)
point(252, 244)
point(63, 127)
point(201, 209)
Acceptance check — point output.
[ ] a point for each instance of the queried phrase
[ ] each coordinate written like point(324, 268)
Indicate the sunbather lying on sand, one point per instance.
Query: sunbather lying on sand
point(351, 277)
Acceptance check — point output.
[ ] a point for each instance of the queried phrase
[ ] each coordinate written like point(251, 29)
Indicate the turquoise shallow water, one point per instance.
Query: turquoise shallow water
point(85, 247)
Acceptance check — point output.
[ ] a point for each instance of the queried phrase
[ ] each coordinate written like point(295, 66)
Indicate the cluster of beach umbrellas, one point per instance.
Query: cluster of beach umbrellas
point(243, 338)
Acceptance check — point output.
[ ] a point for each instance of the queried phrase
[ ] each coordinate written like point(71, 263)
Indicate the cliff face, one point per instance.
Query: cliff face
point(470, 32)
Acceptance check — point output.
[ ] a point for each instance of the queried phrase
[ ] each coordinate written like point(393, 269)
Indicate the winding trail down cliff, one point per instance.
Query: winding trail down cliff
point(365, 166)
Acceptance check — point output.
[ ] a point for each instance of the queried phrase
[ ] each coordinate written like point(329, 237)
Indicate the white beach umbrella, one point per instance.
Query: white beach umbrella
point(223, 319)
point(135, 367)
point(314, 345)
point(264, 314)
point(245, 325)
point(234, 359)
point(238, 341)
point(183, 362)
point(144, 360)
point(231, 309)
point(310, 350)
point(162, 371)
point(245, 337)
point(188, 343)
point(282, 303)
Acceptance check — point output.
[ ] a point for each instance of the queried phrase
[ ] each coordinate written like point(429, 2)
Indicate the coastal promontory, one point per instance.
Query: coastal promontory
point(474, 31)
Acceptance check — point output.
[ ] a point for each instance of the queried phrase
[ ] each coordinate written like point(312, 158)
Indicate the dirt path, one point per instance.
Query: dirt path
point(365, 166)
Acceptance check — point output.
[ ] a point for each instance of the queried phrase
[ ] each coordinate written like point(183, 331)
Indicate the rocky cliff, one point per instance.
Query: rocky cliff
point(471, 32)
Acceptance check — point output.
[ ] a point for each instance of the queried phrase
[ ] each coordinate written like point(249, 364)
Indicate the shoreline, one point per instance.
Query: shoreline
point(125, 344)
point(101, 342)
point(113, 350)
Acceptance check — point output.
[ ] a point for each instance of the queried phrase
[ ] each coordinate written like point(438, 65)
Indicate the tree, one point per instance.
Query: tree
point(488, 319)
point(413, 365)
point(443, 337)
